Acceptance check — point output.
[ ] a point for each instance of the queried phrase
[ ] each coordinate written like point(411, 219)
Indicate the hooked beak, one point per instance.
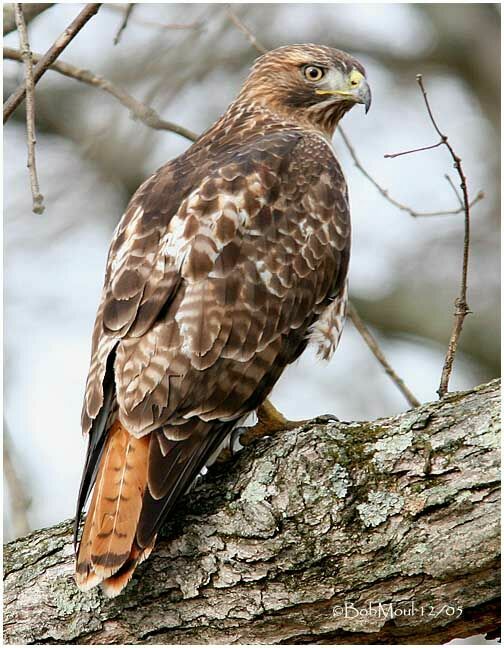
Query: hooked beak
point(358, 91)
point(363, 94)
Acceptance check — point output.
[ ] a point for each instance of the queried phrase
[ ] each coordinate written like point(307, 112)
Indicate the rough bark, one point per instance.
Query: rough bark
point(269, 547)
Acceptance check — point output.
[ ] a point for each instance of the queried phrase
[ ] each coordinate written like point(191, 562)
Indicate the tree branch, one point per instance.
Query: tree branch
point(124, 23)
point(245, 30)
point(197, 25)
point(50, 56)
point(378, 354)
point(401, 511)
point(385, 192)
point(415, 150)
point(461, 306)
point(37, 197)
point(139, 110)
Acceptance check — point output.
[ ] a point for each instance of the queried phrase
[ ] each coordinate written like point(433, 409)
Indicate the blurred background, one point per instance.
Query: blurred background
point(188, 62)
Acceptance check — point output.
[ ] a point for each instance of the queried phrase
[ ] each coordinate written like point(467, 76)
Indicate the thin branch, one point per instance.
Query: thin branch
point(152, 23)
point(139, 110)
point(416, 150)
point(196, 25)
point(37, 197)
point(461, 306)
point(452, 185)
point(245, 30)
point(50, 56)
point(384, 192)
point(378, 354)
point(124, 24)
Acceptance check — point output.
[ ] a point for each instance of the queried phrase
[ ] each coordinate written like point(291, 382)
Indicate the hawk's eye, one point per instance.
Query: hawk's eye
point(313, 72)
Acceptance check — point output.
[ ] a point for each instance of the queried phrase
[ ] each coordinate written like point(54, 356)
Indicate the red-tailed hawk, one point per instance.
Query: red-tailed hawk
point(227, 261)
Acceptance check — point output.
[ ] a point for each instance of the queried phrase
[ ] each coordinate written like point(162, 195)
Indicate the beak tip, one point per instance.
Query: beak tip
point(366, 97)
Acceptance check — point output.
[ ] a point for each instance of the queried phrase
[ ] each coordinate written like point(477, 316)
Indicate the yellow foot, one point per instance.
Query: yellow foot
point(269, 421)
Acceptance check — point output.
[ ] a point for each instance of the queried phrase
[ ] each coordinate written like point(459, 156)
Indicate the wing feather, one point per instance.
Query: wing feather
point(217, 273)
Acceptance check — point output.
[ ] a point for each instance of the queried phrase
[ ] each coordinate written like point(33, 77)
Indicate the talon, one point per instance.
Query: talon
point(269, 421)
point(233, 446)
point(235, 439)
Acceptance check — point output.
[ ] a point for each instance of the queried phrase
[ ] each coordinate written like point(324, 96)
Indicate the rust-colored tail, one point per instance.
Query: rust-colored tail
point(108, 552)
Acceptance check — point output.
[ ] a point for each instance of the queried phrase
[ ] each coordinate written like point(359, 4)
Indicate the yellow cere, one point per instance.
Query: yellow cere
point(354, 78)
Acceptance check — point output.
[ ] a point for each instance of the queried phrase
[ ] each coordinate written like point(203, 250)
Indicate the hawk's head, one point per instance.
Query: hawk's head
point(308, 83)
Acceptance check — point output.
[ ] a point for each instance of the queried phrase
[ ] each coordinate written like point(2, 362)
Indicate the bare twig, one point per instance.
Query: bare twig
point(190, 73)
point(50, 56)
point(124, 24)
point(139, 110)
point(461, 306)
point(416, 150)
point(245, 30)
point(196, 25)
point(452, 185)
point(37, 197)
point(378, 354)
point(30, 11)
point(384, 192)
point(152, 23)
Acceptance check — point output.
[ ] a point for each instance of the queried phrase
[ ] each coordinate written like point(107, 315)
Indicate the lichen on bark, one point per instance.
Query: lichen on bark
point(269, 547)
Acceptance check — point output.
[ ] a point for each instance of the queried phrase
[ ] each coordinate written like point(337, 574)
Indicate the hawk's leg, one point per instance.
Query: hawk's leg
point(269, 421)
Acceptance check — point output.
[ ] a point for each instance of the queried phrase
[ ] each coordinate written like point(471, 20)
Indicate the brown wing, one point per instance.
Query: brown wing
point(261, 253)
point(205, 305)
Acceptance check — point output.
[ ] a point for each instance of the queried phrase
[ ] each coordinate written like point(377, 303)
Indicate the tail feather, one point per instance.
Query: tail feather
point(114, 585)
point(137, 483)
point(109, 532)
